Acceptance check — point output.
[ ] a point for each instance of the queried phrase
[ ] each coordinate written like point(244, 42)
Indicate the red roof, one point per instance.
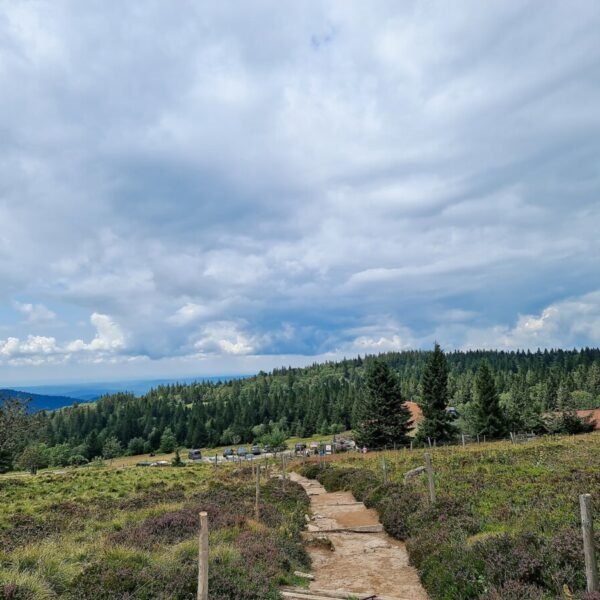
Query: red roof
point(416, 413)
point(593, 413)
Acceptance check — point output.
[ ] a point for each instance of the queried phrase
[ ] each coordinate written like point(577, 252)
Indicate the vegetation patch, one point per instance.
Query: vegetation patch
point(506, 520)
point(133, 533)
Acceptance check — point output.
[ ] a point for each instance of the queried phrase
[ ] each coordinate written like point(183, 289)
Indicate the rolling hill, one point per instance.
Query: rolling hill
point(38, 401)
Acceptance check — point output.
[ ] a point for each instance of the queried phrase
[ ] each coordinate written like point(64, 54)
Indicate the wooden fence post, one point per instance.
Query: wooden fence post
point(463, 440)
point(203, 558)
point(257, 509)
point(430, 477)
point(283, 470)
point(587, 527)
point(384, 470)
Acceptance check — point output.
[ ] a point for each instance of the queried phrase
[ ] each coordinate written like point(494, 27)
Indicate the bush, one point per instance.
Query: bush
point(167, 528)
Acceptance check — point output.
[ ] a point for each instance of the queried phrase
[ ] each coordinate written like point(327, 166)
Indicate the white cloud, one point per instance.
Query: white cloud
point(226, 337)
point(108, 341)
point(568, 323)
point(189, 313)
point(35, 313)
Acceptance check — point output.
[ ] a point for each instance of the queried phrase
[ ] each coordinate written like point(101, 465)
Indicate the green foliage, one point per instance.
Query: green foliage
point(16, 429)
point(132, 533)
point(111, 448)
point(6, 461)
point(486, 417)
point(34, 457)
point(322, 397)
point(276, 438)
point(168, 442)
point(437, 422)
point(568, 422)
point(136, 445)
point(383, 418)
point(177, 462)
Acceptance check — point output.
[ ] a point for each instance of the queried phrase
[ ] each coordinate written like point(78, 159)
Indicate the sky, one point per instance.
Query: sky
point(206, 188)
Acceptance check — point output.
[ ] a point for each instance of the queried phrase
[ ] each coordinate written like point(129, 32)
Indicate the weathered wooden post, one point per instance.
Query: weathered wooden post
point(384, 470)
point(283, 470)
point(463, 440)
point(203, 558)
point(257, 508)
point(430, 477)
point(411, 444)
point(587, 527)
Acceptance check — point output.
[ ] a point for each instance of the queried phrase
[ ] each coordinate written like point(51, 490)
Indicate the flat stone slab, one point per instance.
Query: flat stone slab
point(364, 561)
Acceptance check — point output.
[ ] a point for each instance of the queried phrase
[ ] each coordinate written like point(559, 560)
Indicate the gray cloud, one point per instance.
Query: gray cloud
point(279, 179)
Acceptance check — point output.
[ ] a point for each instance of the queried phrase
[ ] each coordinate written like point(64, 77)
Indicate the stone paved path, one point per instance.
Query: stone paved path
point(364, 560)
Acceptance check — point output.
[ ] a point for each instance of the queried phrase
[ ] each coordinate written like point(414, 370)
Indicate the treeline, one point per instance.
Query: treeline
point(322, 398)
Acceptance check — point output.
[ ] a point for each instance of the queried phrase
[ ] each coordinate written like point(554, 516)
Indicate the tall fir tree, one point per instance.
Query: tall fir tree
point(383, 417)
point(437, 424)
point(486, 416)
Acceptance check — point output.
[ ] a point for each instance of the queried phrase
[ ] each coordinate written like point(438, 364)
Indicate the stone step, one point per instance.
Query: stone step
point(358, 529)
point(304, 594)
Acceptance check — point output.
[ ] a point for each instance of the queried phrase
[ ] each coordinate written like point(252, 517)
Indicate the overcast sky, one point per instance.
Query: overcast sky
point(216, 187)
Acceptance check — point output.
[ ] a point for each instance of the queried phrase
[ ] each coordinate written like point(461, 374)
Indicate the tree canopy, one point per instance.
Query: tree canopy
point(383, 418)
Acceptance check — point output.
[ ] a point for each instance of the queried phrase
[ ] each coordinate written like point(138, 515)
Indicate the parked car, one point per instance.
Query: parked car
point(143, 463)
point(241, 451)
point(228, 452)
point(299, 448)
point(195, 455)
point(267, 449)
point(161, 463)
point(256, 450)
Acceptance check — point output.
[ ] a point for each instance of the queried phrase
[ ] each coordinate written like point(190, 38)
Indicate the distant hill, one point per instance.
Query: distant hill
point(93, 390)
point(38, 401)
point(53, 396)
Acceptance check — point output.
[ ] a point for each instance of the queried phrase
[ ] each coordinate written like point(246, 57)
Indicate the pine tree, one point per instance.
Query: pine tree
point(486, 415)
point(437, 424)
point(383, 417)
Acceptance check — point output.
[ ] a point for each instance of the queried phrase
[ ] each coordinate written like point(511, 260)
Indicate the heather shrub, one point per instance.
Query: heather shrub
point(507, 558)
point(516, 590)
point(563, 561)
point(311, 470)
point(167, 528)
point(396, 503)
point(450, 570)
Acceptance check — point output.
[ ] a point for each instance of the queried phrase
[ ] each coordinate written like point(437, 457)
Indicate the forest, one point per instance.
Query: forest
point(321, 398)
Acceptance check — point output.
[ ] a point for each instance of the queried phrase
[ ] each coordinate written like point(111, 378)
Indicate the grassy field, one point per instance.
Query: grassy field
point(132, 533)
point(506, 524)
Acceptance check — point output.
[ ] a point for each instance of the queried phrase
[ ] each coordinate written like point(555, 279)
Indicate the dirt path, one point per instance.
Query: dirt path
point(364, 559)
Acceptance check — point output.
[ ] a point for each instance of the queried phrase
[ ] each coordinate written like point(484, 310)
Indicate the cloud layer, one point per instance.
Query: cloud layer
point(202, 187)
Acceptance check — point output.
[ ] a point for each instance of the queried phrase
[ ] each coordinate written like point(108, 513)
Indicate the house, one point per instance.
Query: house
point(592, 414)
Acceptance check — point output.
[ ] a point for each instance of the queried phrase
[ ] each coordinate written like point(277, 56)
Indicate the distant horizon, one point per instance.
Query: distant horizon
point(303, 361)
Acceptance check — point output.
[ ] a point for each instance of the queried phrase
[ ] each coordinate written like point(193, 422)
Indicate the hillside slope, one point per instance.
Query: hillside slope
point(38, 401)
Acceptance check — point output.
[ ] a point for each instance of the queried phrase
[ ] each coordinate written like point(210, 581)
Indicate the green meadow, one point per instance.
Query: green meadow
point(506, 524)
point(132, 533)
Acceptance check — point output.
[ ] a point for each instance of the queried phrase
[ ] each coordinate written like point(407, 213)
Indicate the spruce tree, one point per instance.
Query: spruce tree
point(383, 417)
point(486, 415)
point(437, 424)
